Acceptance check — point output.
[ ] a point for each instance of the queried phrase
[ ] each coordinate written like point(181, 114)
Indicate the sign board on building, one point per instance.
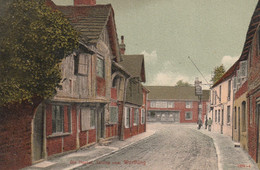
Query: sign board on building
point(198, 88)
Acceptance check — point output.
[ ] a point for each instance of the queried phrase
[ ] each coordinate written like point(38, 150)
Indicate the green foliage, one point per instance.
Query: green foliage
point(33, 41)
point(182, 83)
point(218, 73)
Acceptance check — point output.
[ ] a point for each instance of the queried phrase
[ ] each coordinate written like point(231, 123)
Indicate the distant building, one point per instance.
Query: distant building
point(176, 104)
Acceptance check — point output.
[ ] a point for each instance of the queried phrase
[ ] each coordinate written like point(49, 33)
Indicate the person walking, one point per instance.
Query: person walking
point(199, 123)
point(206, 123)
point(209, 124)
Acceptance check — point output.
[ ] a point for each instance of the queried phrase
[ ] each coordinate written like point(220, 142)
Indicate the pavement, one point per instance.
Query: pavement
point(88, 155)
point(229, 156)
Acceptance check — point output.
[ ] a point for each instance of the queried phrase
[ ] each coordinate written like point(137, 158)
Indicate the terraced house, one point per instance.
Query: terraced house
point(176, 104)
point(222, 104)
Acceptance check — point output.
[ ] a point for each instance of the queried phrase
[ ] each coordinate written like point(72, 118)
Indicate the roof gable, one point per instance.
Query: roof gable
point(252, 28)
point(90, 22)
point(134, 64)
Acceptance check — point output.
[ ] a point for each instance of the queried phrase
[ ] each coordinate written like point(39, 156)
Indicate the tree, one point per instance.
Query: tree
point(34, 39)
point(182, 83)
point(218, 73)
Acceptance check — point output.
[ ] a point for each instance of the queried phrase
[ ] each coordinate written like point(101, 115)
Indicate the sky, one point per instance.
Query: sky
point(167, 32)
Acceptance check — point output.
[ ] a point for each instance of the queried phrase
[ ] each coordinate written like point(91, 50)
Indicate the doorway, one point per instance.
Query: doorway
point(238, 124)
point(222, 121)
point(100, 123)
point(38, 134)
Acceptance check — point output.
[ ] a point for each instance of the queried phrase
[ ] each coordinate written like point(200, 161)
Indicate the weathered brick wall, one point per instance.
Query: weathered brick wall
point(101, 86)
point(134, 129)
point(84, 2)
point(114, 93)
point(252, 128)
point(70, 142)
point(91, 136)
point(111, 130)
point(120, 115)
point(252, 141)
point(15, 136)
point(127, 133)
point(241, 90)
point(55, 144)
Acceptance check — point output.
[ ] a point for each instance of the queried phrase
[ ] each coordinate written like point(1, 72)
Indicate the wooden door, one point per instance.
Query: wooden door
point(222, 121)
point(238, 124)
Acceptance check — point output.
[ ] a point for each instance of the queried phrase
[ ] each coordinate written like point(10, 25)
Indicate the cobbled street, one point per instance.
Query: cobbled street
point(173, 146)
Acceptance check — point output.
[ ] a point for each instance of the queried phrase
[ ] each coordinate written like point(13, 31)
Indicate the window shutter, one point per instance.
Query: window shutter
point(243, 69)
point(53, 119)
point(127, 117)
point(69, 118)
point(85, 119)
point(113, 115)
point(61, 118)
point(76, 64)
point(235, 83)
point(92, 117)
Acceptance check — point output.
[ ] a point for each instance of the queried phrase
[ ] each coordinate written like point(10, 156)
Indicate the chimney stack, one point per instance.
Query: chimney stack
point(122, 45)
point(84, 2)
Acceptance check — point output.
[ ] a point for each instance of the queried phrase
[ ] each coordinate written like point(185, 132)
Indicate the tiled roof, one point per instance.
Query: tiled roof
point(227, 74)
point(88, 20)
point(175, 93)
point(252, 28)
point(134, 64)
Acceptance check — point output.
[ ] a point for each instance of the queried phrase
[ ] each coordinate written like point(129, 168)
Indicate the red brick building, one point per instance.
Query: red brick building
point(134, 110)
point(251, 51)
point(176, 104)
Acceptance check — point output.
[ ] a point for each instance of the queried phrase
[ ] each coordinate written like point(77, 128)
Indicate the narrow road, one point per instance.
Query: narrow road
point(173, 146)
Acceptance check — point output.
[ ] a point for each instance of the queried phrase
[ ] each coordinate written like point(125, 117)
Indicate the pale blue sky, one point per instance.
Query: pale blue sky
point(211, 32)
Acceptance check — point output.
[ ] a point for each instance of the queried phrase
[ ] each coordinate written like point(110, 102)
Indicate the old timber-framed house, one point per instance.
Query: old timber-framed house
point(79, 114)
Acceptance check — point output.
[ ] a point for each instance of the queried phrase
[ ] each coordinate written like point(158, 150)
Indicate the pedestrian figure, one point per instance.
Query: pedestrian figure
point(206, 123)
point(199, 123)
point(209, 124)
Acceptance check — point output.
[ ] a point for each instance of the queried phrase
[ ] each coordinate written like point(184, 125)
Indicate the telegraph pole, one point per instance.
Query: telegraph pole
point(198, 92)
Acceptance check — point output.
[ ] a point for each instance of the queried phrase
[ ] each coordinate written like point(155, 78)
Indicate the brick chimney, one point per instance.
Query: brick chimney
point(122, 45)
point(84, 2)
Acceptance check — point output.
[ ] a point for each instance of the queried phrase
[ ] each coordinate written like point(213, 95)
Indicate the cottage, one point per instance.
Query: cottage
point(222, 104)
point(176, 104)
point(134, 117)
